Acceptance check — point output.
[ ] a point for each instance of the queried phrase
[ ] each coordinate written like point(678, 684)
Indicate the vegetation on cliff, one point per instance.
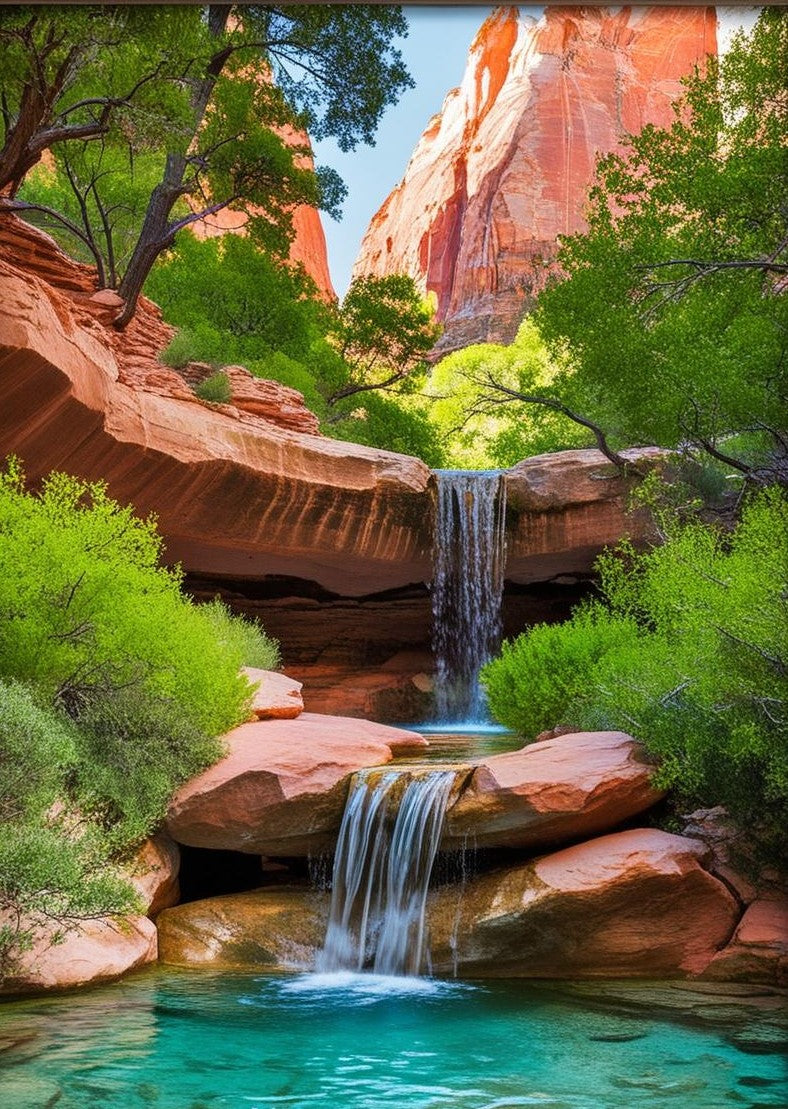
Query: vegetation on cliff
point(667, 322)
point(113, 689)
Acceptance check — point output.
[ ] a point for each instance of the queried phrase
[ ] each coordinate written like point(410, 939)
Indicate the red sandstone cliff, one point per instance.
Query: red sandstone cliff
point(505, 167)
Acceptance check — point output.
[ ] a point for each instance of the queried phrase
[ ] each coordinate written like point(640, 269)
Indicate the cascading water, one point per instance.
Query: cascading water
point(381, 873)
point(467, 588)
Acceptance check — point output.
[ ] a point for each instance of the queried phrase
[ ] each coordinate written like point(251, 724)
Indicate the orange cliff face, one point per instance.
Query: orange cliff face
point(308, 247)
point(505, 167)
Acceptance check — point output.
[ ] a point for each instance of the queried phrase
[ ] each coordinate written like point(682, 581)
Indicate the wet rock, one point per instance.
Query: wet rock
point(96, 951)
point(279, 927)
point(632, 904)
point(758, 950)
point(280, 790)
point(561, 789)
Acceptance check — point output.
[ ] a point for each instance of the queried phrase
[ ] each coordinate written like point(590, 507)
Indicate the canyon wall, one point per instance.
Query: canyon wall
point(505, 167)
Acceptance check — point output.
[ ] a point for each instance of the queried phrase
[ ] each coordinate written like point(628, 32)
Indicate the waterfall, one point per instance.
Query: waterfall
point(387, 844)
point(467, 587)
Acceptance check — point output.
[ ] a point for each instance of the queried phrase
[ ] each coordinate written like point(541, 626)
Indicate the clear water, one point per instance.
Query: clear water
point(455, 743)
point(192, 1040)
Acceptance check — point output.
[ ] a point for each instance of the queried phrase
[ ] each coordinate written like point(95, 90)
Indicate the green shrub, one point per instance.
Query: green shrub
point(540, 678)
point(243, 637)
point(698, 672)
point(215, 389)
point(36, 750)
point(183, 348)
point(88, 609)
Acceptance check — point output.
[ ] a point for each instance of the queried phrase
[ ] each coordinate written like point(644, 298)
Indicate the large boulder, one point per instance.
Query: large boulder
point(758, 950)
point(281, 787)
point(92, 952)
point(633, 904)
point(561, 789)
point(235, 494)
point(279, 927)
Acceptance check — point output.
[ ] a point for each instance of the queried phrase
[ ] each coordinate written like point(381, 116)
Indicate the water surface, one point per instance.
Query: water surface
point(197, 1040)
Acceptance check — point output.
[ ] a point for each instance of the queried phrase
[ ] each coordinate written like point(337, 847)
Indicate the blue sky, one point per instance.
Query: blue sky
point(435, 52)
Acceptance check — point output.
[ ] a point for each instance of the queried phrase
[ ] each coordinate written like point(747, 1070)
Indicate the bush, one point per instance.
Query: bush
point(698, 671)
point(89, 610)
point(216, 389)
point(242, 637)
point(541, 677)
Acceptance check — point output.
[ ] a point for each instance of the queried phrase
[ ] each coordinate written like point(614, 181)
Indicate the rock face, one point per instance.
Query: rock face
point(556, 791)
point(273, 928)
point(635, 904)
point(235, 494)
point(281, 787)
point(96, 951)
point(505, 167)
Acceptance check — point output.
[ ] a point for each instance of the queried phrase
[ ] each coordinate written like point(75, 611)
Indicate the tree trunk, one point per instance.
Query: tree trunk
point(157, 234)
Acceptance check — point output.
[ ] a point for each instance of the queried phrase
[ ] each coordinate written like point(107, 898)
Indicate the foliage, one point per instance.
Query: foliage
point(670, 304)
point(215, 389)
point(478, 430)
point(88, 610)
point(243, 638)
point(48, 871)
point(113, 687)
point(539, 677)
point(390, 423)
point(383, 332)
point(87, 76)
point(699, 672)
point(237, 302)
point(243, 86)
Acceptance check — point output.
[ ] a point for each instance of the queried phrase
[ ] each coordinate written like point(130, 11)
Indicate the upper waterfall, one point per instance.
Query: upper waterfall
point(467, 587)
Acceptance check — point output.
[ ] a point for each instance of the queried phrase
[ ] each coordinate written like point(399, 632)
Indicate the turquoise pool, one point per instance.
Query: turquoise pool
point(196, 1040)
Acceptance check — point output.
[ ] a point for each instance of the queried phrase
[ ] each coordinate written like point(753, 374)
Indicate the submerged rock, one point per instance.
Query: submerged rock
point(561, 789)
point(281, 787)
point(632, 904)
point(279, 927)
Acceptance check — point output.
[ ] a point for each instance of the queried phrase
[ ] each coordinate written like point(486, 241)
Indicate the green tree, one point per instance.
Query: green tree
point(480, 427)
point(86, 74)
point(383, 332)
point(251, 79)
point(672, 304)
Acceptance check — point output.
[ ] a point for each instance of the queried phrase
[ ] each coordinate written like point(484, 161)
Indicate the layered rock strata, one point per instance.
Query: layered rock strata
point(504, 168)
point(235, 493)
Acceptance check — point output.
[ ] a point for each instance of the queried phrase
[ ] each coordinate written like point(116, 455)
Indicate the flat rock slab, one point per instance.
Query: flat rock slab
point(276, 697)
point(281, 787)
point(277, 927)
point(634, 904)
point(96, 951)
point(558, 790)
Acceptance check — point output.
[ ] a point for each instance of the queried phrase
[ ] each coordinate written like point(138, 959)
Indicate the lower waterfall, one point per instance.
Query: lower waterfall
point(387, 845)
